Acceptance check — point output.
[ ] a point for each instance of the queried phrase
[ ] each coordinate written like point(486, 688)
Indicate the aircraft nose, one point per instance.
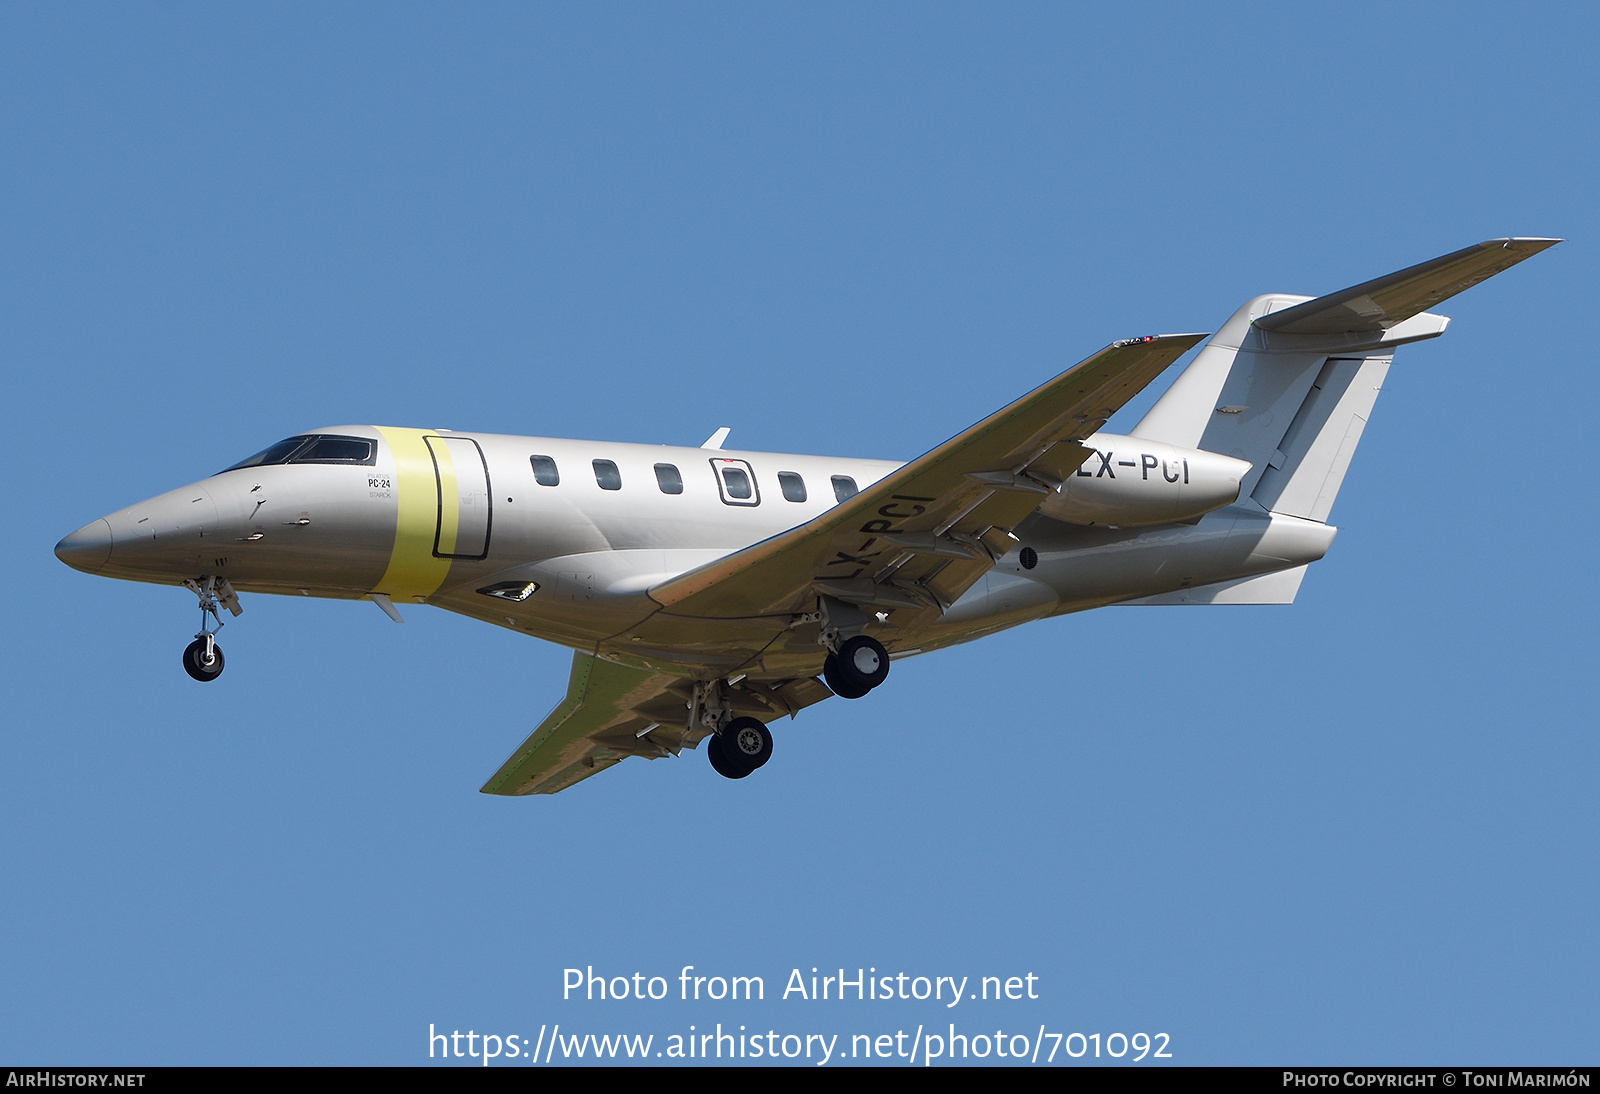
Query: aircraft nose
point(87, 549)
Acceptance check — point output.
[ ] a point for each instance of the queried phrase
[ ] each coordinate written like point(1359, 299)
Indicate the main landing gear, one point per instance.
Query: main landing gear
point(856, 667)
point(737, 744)
point(743, 745)
point(202, 658)
point(856, 663)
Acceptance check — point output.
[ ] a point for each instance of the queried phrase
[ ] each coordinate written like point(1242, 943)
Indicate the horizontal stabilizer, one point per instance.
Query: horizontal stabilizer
point(1288, 383)
point(1387, 301)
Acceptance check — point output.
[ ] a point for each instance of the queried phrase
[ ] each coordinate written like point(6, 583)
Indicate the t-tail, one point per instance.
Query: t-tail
point(1289, 383)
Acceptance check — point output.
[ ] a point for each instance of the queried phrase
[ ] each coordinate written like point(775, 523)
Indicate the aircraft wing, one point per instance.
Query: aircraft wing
point(614, 711)
point(918, 538)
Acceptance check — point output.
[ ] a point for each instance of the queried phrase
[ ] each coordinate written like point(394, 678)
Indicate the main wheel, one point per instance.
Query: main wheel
point(747, 742)
point(863, 661)
point(843, 688)
point(720, 761)
point(194, 662)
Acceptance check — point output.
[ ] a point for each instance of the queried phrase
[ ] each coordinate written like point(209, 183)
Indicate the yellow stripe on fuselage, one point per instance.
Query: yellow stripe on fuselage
point(413, 570)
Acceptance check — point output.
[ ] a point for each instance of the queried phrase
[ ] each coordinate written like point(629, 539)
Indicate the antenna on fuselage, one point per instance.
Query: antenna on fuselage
point(714, 442)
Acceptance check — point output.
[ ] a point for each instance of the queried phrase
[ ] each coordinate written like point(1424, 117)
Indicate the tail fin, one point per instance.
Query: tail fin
point(1289, 382)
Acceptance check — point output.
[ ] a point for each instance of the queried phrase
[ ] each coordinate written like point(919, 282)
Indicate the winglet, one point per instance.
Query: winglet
point(1386, 301)
point(714, 442)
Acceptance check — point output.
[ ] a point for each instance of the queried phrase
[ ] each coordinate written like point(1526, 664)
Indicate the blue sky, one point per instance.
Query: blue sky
point(1358, 829)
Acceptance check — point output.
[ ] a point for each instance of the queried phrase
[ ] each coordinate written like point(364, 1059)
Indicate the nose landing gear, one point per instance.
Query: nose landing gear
point(202, 663)
point(202, 658)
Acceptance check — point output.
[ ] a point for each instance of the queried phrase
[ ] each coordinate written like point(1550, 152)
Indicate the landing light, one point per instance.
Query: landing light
point(514, 591)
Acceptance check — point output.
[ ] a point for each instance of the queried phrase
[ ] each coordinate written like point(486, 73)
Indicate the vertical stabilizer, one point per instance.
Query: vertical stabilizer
point(1240, 394)
point(1289, 382)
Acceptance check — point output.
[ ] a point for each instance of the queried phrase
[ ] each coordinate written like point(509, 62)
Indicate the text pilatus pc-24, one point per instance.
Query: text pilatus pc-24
point(706, 592)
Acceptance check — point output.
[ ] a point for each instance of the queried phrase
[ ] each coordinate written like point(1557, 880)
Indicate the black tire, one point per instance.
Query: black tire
point(863, 661)
point(720, 761)
point(194, 664)
point(747, 742)
point(837, 683)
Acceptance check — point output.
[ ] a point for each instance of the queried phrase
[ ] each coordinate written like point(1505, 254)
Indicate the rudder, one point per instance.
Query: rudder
point(1304, 474)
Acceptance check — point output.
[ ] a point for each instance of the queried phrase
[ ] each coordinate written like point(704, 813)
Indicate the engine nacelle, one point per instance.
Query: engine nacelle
point(1132, 481)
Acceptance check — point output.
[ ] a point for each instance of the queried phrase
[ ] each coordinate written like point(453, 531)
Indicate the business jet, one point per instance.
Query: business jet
point(706, 592)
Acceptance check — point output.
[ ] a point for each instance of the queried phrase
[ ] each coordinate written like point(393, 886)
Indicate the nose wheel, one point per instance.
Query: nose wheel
point(201, 662)
point(202, 658)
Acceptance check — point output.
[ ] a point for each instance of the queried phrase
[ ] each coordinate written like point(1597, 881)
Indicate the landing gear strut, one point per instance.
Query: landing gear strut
point(202, 658)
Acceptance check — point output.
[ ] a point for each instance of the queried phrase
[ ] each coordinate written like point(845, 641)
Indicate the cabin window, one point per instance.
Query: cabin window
point(607, 475)
point(668, 479)
point(544, 471)
point(794, 487)
point(844, 487)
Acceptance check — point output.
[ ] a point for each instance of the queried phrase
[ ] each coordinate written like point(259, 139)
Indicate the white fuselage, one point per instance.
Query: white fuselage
point(438, 517)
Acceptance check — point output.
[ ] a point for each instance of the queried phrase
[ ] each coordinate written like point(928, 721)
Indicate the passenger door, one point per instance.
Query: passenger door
point(465, 509)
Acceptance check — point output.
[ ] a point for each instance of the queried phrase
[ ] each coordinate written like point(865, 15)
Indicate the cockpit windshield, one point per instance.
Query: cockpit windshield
point(314, 448)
